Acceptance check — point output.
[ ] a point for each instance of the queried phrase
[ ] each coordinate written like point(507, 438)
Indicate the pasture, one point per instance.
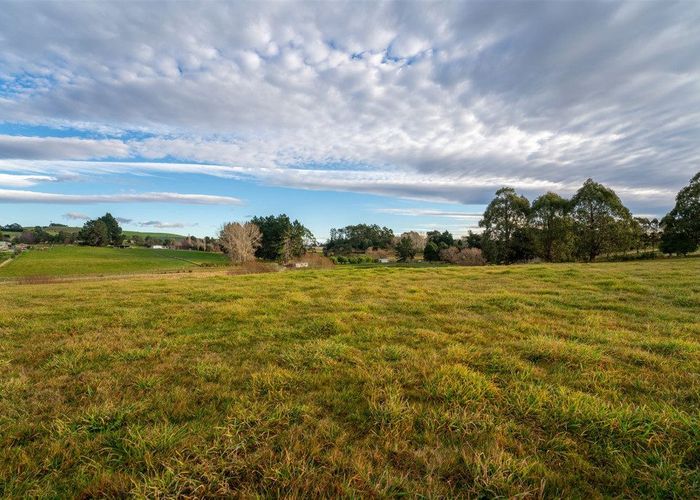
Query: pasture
point(539, 380)
point(59, 261)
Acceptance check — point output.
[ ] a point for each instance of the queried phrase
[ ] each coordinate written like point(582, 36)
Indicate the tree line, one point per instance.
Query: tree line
point(551, 228)
point(593, 222)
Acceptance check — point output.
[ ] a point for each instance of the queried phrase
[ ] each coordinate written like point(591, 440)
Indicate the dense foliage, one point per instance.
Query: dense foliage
point(435, 243)
point(15, 228)
point(406, 249)
point(359, 237)
point(554, 229)
point(682, 224)
point(101, 232)
point(601, 222)
point(552, 225)
point(506, 237)
point(351, 259)
point(282, 238)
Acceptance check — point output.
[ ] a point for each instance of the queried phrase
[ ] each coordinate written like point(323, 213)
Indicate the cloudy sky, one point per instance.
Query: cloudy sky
point(181, 116)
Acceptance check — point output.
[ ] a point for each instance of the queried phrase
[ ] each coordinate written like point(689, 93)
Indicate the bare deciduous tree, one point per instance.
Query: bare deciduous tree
point(417, 239)
point(463, 257)
point(240, 241)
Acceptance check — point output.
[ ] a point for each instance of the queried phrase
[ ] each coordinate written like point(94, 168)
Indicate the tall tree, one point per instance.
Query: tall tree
point(113, 229)
point(107, 232)
point(417, 239)
point(601, 222)
point(649, 232)
point(552, 227)
point(282, 239)
point(296, 239)
point(95, 233)
point(406, 248)
point(505, 222)
point(472, 240)
point(436, 243)
point(359, 237)
point(240, 241)
point(682, 224)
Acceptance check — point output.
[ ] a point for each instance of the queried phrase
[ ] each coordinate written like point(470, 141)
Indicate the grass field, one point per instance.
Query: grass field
point(143, 234)
point(542, 380)
point(5, 256)
point(76, 260)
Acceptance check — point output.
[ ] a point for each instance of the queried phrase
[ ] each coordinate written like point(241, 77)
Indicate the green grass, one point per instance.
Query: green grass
point(565, 380)
point(62, 260)
point(143, 234)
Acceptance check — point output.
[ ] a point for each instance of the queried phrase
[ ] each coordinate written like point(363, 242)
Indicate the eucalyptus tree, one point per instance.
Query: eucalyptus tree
point(601, 222)
point(506, 234)
point(682, 224)
point(552, 227)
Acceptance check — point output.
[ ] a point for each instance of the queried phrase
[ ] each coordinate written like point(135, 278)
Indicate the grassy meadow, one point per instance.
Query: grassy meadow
point(61, 260)
point(5, 256)
point(539, 381)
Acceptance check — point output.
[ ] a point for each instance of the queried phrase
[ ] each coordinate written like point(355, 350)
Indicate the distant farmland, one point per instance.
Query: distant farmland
point(126, 233)
point(566, 380)
point(78, 260)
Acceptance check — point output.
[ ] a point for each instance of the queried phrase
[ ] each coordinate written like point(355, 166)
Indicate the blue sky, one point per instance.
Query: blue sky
point(182, 116)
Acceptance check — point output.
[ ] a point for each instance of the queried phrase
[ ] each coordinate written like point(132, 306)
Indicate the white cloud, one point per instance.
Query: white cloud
point(53, 148)
point(16, 180)
point(17, 196)
point(450, 186)
point(439, 103)
point(76, 216)
point(426, 212)
point(163, 225)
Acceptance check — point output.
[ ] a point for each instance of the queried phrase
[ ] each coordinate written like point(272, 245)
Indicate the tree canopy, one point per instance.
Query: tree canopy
point(408, 245)
point(682, 224)
point(505, 223)
point(551, 225)
point(359, 237)
point(101, 232)
point(282, 238)
point(95, 233)
point(435, 243)
point(601, 222)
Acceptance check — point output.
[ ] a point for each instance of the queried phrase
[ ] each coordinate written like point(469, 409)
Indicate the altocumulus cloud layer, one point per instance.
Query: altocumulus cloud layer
point(435, 101)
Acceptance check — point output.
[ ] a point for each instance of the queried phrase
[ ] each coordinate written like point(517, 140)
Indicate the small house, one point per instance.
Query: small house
point(158, 247)
point(383, 260)
point(301, 264)
point(4, 245)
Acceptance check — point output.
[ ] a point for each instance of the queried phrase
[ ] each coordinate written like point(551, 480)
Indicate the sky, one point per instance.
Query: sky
point(181, 116)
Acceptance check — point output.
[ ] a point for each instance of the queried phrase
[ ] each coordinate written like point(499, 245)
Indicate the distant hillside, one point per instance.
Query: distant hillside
point(55, 229)
point(143, 234)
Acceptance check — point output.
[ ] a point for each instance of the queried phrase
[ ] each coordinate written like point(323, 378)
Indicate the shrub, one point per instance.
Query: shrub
point(463, 257)
point(352, 259)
